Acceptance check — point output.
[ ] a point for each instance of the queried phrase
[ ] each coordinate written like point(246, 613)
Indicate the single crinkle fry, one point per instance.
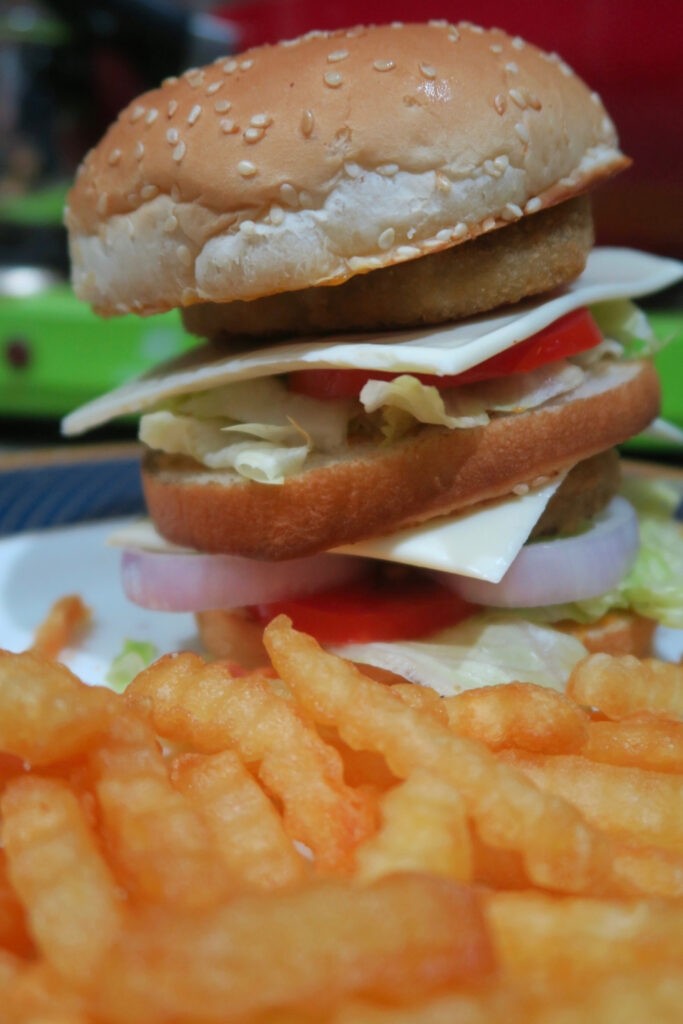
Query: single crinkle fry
point(623, 686)
point(66, 620)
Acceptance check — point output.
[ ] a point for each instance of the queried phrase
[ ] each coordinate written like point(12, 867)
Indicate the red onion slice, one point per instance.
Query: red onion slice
point(559, 571)
point(193, 582)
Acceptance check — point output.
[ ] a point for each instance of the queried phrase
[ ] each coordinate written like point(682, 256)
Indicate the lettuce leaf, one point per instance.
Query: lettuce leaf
point(484, 650)
point(623, 321)
point(132, 658)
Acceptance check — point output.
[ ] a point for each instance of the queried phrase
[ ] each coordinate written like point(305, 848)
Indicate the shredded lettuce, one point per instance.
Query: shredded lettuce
point(654, 585)
point(484, 650)
point(132, 658)
point(623, 321)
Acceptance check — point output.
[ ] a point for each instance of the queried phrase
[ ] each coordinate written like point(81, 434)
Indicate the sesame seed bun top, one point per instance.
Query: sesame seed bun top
point(311, 161)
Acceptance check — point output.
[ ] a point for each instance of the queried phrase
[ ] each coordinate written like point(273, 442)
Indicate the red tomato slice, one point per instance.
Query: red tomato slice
point(573, 333)
point(368, 611)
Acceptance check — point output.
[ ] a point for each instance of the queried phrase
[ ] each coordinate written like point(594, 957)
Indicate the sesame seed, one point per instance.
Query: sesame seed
point(459, 231)
point(139, 150)
point(337, 55)
point(149, 191)
point(453, 34)
point(248, 228)
point(517, 98)
point(428, 70)
point(384, 65)
point(228, 126)
point(305, 199)
point(502, 162)
point(444, 235)
point(246, 64)
point(489, 224)
point(522, 131)
point(500, 103)
point(195, 79)
point(132, 199)
point(261, 120)
point(333, 79)
point(307, 123)
point(477, 29)
point(288, 194)
point(520, 490)
point(172, 136)
point(230, 67)
point(277, 215)
point(518, 43)
point(595, 97)
point(114, 157)
point(175, 193)
point(437, 23)
point(170, 80)
point(246, 168)
point(407, 252)
point(136, 113)
point(213, 88)
point(362, 263)
point(102, 201)
point(496, 48)
point(533, 205)
point(388, 170)
point(172, 107)
point(184, 255)
point(252, 135)
point(512, 67)
point(565, 69)
point(410, 233)
point(352, 169)
point(511, 211)
point(386, 239)
point(222, 106)
point(179, 152)
point(188, 296)
point(194, 114)
point(443, 183)
point(151, 115)
point(170, 224)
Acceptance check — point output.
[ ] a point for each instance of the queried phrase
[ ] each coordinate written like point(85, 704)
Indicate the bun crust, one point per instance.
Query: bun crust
point(311, 161)
point(378, 489)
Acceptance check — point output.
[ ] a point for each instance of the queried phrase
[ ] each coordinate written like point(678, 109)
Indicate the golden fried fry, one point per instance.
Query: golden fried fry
point(156, 838)
point(560, 850)
point(624, 686)
point(401, 938)
point(46, 713)
point(55, 865)
point(207, 706)
point(644, 741)
point(248, 832)
point(518, 715)
point(66, 620)
point(424, 828)
point(630, 803)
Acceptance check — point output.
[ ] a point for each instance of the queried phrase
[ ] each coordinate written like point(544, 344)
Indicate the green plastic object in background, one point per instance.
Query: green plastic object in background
point(55, 353)
point(669, 362)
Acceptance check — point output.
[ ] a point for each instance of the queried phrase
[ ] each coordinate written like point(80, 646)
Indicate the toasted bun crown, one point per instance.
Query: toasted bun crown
point(311, 161)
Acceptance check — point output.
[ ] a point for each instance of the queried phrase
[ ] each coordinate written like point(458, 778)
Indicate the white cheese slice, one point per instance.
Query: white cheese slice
point(482, 543)
point(610, 274)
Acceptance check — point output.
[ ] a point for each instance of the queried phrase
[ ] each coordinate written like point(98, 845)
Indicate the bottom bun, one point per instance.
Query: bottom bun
point(372, 489)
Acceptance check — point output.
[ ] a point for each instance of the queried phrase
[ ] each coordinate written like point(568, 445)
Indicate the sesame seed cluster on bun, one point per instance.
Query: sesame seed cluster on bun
point(309, 162)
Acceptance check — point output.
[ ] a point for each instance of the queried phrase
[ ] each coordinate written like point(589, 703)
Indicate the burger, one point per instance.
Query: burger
point(415, 367)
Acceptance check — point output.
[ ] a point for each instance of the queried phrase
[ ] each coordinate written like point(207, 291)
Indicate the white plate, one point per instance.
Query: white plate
point(37, 568)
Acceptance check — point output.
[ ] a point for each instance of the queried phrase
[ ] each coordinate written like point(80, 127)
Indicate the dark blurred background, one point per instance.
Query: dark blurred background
point(67, 67)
